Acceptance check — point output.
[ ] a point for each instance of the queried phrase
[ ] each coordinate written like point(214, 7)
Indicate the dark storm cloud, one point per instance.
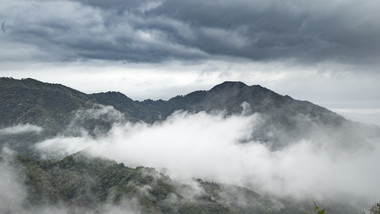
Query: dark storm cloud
point(3, 27)
point(311, 31)
point(152, 31)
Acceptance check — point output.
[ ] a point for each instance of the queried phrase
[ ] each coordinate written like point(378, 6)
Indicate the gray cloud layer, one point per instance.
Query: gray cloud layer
point(153, 31)
point(208, 146)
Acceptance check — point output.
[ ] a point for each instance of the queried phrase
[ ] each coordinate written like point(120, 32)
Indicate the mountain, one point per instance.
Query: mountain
point(32, 111)
point(31, 101)
point(91, 185)
point(284, 119)
point(226, 96)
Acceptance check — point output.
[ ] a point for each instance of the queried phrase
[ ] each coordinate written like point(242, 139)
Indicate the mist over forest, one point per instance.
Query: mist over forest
point(231, 149)
point(178, 106)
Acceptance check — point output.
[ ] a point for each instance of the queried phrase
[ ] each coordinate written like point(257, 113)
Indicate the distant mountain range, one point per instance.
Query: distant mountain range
point(23, 99)
point(285, 120)
point(80, 183)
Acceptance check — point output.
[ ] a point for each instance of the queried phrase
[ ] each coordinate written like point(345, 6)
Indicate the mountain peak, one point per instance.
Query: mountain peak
point(230, 84)
point(234, 89)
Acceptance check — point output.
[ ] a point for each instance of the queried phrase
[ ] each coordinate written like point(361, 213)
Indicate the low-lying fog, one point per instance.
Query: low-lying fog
point(209, 146)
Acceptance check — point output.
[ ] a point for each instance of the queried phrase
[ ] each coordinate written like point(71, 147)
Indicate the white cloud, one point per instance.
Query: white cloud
point(366, 115)
point(12, 192)
point(21, 128)
point(65, 38)
point(150, 5)
point(231, 38)
point(328, 84)
point(208, 146)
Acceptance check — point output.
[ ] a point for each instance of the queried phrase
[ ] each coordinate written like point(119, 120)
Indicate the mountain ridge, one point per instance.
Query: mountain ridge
point(53, 106)
point(84, 183)
point(30, 83)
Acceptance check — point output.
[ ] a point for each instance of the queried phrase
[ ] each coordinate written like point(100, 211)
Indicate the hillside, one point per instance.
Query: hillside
point(83, 184)
point(37, 114)
point(31, 101)
point(23, 100)
point(284, 120)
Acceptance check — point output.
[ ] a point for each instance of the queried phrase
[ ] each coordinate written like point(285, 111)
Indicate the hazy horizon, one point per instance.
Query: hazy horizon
point(325, 52)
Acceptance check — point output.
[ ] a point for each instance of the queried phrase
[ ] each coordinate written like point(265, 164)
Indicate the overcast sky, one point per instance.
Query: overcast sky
point(327, 52)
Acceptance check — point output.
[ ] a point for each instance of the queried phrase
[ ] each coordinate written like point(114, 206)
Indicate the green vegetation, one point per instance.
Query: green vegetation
point(53, 107)
point(317, 210)
point(50, 105)
point(82, 183)
point(375, 209)
point(94, 183)
point(31, 101)
point(91, 183)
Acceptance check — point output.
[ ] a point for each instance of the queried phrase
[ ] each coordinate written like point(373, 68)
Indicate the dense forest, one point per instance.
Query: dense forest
point(32, 111)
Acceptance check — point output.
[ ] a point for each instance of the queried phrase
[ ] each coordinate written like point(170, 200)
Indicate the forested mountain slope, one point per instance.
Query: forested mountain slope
point(32, 112)
point(284, 120)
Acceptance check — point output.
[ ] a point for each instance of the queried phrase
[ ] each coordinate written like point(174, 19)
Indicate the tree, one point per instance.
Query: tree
point(317, 210)
point(375, 209)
